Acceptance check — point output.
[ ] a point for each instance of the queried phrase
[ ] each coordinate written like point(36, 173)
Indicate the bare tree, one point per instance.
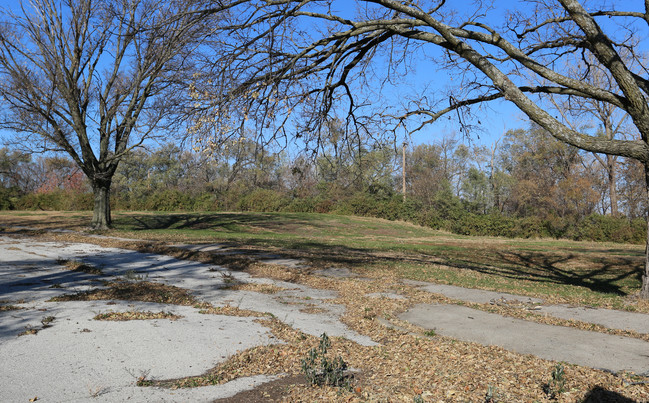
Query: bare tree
point(306, 56)
point(95, 78)
point(608, 120)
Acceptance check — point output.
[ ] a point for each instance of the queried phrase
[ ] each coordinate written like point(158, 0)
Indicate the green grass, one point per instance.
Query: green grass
point(577, 272)
point(592, 273)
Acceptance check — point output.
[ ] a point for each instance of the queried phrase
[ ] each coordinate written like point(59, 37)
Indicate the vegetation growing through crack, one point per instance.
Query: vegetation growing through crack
point(9, 307)
point(321, 369)
point(46, 322)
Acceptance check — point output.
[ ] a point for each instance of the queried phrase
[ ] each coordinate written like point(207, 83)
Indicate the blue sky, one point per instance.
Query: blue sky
point(495, 117)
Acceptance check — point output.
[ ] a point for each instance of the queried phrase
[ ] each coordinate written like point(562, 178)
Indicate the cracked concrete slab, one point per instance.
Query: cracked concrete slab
point(613, 319)
point(470, 294)
point(610, 318)
point(78, 358)
point(592, 349)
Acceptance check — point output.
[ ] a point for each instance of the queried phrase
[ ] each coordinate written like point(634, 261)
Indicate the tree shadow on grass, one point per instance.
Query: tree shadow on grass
point(601, 276)
point(218, 221)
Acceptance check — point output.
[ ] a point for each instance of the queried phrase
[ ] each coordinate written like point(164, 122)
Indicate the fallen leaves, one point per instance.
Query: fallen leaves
point(136, 315)
point(78, 266)
point(10, 308)
point(144, 291)
point(226, 310)
point(261, 288)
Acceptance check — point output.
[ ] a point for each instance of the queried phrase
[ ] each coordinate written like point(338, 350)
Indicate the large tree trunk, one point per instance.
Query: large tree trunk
point(101, 213)
point(612, 179)
point(644, 291)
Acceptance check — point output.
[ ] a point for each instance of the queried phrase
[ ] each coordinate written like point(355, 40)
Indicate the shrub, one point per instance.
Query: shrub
point(608, 228)
point(8, 197)
point(322, 370)
point(302, 205)
point(263, 200)
point(55, 200)
point(205, 202)
point(168, 200)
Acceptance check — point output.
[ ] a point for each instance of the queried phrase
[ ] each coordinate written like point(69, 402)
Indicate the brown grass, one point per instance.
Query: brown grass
point(136, 315)
point(78, 266)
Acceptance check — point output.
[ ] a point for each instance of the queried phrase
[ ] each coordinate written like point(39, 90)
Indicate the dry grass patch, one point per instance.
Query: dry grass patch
point(227, 310)
point(255, 287)
point(78, 266)
point(313, 309)
point(144, 291)
point(4, 308)
point(136, 315)
point(29, 330)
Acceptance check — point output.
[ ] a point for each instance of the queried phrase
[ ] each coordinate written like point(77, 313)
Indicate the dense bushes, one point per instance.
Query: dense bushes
point(54, 200)
point(8, 197)
point(606, 228)
point(263, 200)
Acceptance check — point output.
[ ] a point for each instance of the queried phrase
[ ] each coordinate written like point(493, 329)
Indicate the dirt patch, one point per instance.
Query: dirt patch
point(273, 391)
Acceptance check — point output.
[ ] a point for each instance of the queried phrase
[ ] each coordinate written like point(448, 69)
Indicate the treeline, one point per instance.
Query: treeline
point(526, 184)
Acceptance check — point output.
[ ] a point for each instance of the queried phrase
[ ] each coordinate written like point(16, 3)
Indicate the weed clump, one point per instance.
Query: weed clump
point(321, 370)
point(557, 384)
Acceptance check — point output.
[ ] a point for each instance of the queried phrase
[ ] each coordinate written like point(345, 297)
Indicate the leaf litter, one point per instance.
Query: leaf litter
point(406, 366)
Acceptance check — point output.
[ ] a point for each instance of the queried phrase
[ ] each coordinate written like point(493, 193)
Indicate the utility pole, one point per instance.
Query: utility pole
point(403, 166)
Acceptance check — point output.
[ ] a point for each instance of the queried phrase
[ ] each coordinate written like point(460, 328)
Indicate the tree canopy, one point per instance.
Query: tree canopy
point(94, 79)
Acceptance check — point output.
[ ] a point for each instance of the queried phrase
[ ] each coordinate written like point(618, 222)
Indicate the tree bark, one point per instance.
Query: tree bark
point(644, 290)
point(612, 188)
point(101, 219)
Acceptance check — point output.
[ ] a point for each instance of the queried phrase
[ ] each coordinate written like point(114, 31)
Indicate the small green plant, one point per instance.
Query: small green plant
point(490, 396)
point(369, 314)
point(557, 384)
point(418, 399)
point(228, 278)
point(320, 370)
point(143, 379)
point(47, 321)
point(430, 333)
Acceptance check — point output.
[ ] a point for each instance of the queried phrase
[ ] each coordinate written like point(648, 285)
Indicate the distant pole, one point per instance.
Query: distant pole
point(403, 166)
